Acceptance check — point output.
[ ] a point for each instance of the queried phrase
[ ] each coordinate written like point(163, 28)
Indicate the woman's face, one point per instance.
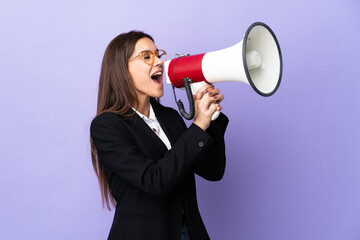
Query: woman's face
point(146, 83)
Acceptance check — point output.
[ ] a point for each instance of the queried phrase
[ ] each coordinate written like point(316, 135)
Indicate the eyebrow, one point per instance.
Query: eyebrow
point(148, 50)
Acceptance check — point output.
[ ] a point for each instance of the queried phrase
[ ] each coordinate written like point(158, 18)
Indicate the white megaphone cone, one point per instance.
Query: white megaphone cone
point(255, 60)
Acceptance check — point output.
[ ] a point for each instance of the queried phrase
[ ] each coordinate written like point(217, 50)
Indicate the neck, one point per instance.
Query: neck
point(144, 106)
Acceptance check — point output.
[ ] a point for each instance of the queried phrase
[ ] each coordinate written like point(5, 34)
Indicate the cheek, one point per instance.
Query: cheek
point(134, 75)
point(139, 73)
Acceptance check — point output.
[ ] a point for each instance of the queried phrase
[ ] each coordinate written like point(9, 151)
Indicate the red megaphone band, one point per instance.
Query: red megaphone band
point(186, 67)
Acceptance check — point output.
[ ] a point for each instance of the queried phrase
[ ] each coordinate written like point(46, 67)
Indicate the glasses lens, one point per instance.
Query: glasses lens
point(147, 56)
point(161, 54)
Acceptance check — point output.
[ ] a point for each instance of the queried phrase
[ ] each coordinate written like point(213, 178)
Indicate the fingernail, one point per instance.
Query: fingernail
point(205, 91)
point(210, 93)
point(215, 97)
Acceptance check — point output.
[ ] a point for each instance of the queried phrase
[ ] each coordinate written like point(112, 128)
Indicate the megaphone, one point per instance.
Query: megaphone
point(255, 60)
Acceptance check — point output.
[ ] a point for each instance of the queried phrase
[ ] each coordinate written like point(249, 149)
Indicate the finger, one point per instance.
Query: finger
point(213, 107)
point(214, 99)
point(209, 102)
point(204, 103)
point(203, 90)
point(214, 92)
point(209, 98)
point(218, 98)
point(217, 107)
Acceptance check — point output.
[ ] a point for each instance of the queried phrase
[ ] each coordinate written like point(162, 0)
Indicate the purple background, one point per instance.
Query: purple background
point(293, 169)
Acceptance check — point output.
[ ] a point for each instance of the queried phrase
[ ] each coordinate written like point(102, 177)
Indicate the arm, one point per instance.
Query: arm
point(116, 151)
point(211, 162)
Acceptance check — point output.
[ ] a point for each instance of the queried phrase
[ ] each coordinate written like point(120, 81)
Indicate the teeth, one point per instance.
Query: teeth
point(157, 74)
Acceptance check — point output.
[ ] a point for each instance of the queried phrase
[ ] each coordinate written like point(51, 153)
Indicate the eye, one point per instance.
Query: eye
point(146, 55)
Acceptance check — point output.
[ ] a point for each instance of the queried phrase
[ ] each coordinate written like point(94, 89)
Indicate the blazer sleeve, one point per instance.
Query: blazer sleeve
point(116, 151)
point(211, 162)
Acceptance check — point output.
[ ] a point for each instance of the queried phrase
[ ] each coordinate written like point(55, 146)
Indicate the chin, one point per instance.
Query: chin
point(159, 94)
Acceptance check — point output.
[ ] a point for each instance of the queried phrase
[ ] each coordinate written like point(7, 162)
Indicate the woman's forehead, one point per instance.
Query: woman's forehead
point(144, 44)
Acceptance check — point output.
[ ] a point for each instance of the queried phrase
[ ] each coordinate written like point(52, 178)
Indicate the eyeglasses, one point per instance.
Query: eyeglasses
point(149, 56)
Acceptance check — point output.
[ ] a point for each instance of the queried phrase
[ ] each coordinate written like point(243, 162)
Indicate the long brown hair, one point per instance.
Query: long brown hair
point(116, 94)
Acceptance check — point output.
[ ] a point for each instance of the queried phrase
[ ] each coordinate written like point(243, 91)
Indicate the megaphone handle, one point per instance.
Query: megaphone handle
point(194, 88)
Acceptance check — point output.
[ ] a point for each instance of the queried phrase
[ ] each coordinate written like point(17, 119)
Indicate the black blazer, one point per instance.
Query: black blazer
point(152, 185)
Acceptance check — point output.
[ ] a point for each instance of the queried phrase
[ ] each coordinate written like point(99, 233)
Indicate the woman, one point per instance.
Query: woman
point(143, 154)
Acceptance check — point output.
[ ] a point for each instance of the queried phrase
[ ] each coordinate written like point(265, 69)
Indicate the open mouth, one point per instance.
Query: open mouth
point(157, 77)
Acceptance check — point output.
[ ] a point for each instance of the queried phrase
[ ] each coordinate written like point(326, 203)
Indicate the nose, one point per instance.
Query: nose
point(158, 61)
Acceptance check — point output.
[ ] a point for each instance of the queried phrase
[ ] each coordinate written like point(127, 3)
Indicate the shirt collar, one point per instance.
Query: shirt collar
point(151, 114)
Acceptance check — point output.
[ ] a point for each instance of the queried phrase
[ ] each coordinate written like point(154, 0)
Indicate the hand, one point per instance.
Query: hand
point(204, 108)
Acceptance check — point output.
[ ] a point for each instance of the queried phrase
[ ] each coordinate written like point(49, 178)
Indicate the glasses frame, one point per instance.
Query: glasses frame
point(153, 54)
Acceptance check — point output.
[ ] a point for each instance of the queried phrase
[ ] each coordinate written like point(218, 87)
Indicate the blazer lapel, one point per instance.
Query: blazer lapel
point(140, 125)
point(165, 123)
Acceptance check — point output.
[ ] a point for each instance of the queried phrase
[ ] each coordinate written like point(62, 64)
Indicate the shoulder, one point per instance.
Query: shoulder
point(105, 117)
point(109, 120)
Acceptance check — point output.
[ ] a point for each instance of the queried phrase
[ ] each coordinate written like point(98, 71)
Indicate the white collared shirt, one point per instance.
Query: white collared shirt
point(154, 124)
